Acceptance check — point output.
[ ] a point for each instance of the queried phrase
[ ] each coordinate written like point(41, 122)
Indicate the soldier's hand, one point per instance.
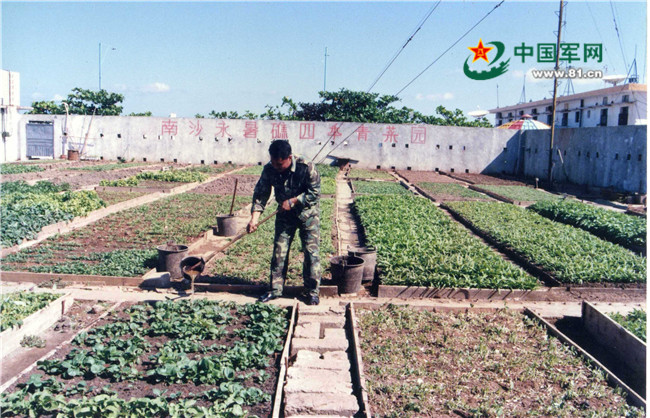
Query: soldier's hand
point(251, 227)
point(286, 205)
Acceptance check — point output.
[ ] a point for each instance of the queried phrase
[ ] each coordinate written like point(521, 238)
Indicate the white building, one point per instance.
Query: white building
point(613, 106)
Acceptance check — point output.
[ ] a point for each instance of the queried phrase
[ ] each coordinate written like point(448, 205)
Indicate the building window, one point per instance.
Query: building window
point(549, 108)
point(548, 119)
point(603, 117)
point(565, 119)
point(622, 116)
point(588, 114)
point(534, 111)
point(626, 98)
point(499, 122)
point(498, 115)
point(577, 117)
point(521, 112)
point(604, 100)
point(582, 102)
point(534, 117)
point(509, 114)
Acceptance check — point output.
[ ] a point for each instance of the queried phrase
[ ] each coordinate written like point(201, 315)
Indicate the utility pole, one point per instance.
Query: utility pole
point(557, 67)
point(325, 72)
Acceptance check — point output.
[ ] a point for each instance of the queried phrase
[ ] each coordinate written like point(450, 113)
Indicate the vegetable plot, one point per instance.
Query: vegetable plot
point(14, 307)
point(378, 187)
point(451, 191)
point(419, 245)
point(26, 209)
point(420, 363)
point(124, 243)
point(174, 176)
point(635, 322)
point(19, 168)
point(520, 193)
point(362, 173)
point(248, 261)
point(619, 228)
point(188, 358)
point(570, 254)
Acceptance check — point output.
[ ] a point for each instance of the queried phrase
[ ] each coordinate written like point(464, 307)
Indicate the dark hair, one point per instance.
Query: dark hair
point(280, 149)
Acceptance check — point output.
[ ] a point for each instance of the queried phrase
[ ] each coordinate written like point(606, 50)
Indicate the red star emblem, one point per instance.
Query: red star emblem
point(480, 51)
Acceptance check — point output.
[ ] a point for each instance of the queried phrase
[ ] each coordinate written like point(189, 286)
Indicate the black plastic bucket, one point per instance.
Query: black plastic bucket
point(347, 272)
point(191, 261)
point(226, 225)
point(369, 255)
point(169, 259)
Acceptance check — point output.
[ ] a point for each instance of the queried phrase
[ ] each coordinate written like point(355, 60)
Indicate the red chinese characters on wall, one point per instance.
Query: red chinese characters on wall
point(391, 134)
point(169, 127)
point(222, 129)
point(250, 129)
point(362, 133)
point(307, 130)
point(195, 127)
point(334, 132)
point(418, 135)
point(279, 131)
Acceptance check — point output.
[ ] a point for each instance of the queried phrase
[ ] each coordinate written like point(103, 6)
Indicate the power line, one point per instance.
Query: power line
point(399, 51)
point(448, 49)
point(618, 35)
point(601, 36)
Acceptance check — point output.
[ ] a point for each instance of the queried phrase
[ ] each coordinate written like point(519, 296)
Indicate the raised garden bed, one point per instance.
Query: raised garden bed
point(419, 245)
point(378, 187)
point(619, 228)
point(226, 185)
point(635, 322)
point(362, 173)
point(124, 244)
point(570, 255)
point(27, 314)
point(165, 358)
point(114, 197)
point(520, 195)
point(248, 261)
point(497, 180)
point(450, 191)
point(27, 209)
point(426, 176)
point(421, 363)
point(106, 167)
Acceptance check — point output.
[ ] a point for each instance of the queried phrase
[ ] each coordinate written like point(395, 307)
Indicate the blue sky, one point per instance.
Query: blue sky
point(194, 57)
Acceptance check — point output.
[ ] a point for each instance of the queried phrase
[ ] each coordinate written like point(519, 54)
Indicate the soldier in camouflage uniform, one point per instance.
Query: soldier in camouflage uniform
point(296, 184)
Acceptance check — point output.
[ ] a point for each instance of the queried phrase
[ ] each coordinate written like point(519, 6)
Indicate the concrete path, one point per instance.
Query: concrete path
point(318, 380)
point(346, 226)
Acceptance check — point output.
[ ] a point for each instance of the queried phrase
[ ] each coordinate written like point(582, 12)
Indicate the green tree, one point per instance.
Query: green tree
point(83, 102)
point(147, 113)
point(355, 106)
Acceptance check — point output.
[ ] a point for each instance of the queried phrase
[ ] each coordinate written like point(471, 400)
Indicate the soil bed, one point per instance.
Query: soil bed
point(112, 198)
point(426, 176)
point(226, 185)
point(420, 363)
point(187, 355)
point(78, 180)
point(124, 244)
point(50, 168)
point(572, 327)
point(493, 179)
point(441, 192)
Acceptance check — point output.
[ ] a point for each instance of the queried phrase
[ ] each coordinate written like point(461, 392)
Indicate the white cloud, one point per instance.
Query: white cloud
point(434, 97)
point(156, 87)
point(58, 98)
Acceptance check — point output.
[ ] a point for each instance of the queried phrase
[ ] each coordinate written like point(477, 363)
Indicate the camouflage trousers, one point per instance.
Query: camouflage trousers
point(307, 222)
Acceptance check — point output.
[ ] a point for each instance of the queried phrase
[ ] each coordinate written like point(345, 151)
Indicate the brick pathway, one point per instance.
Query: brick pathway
point(318, 381)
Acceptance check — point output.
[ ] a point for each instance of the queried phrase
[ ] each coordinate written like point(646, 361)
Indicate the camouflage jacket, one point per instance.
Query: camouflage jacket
point(301, 180)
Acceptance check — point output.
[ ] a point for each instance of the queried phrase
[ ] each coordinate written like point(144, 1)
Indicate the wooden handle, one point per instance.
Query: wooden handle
point(234, 193)
point(238, 237)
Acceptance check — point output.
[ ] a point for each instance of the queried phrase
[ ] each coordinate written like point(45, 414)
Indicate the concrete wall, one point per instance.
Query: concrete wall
point(589, 154)
point(614, 157)
point(420, 147)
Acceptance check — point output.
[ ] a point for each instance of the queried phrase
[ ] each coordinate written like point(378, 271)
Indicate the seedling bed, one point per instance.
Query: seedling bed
point(440, 192)
point(226, 185)
point(163, 358)
point(377, 187)
point(124, 243)
point(38, 169)
point(495, 179)
point(247, 261)
point(427, 176)
point(422, 363)
point(570, 255)
point(518, 195)
point(115, 197)
point(365, 174)
point(608, 343)
point(418, 245)
point(79, 180)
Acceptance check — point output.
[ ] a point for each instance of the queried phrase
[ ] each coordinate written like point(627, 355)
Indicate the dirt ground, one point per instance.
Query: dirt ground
point(426, 176)
point(226, 185)
point(496, 180)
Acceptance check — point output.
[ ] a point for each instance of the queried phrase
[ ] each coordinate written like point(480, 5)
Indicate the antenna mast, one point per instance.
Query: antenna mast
point(557, 67)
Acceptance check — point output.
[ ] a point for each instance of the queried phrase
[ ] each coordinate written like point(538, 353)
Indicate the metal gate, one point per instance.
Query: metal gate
point(40, 139)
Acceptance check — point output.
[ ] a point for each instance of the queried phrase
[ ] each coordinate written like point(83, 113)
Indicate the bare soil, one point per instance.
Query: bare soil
point(226, 185)
point(426, 176)
point(494, 179)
